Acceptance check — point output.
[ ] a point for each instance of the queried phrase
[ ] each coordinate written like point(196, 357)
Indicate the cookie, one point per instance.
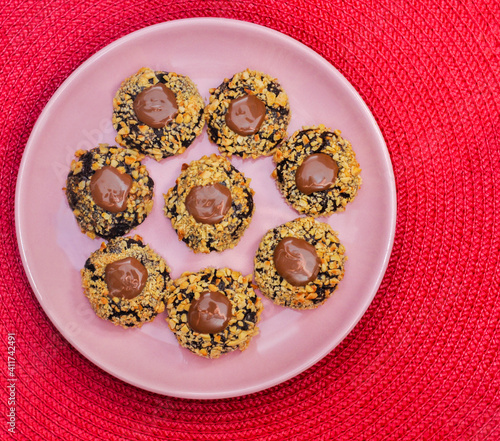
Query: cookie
point(213, 311)
point(126, 281)
point(248, 115)
point(317, 171)
point(109, 191)
point(299, 264)
point(211, 204)
point(158, 113)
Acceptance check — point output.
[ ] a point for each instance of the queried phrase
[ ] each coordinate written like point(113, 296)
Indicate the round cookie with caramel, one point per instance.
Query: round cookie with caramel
point(158, 113)
point(300, 263)
point(248, 115)
point(109, 191)
point(126, 281)
point(213, 311)
point(211, 204)
point(317, 171)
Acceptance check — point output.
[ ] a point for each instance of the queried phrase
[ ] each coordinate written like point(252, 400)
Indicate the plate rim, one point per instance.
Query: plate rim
point(250, 27)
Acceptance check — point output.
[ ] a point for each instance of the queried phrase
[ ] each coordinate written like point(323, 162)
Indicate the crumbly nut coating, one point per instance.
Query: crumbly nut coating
point(329, 250)
point(94, 220)
point(201, 237)
point(178, 134)
point(291, 154)
point(120, 311)
point(242, 327)
point(273, 129)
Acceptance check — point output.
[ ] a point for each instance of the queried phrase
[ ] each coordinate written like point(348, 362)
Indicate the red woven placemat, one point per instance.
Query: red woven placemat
point(423, 363)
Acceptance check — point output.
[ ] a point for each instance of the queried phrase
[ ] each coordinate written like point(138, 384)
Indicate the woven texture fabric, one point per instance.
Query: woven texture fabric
point(423, 362)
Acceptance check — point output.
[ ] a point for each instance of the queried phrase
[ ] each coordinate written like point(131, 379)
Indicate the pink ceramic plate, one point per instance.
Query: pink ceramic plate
point(79, 117)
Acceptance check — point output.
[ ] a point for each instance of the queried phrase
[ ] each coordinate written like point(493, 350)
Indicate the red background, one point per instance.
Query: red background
point(423, 362)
